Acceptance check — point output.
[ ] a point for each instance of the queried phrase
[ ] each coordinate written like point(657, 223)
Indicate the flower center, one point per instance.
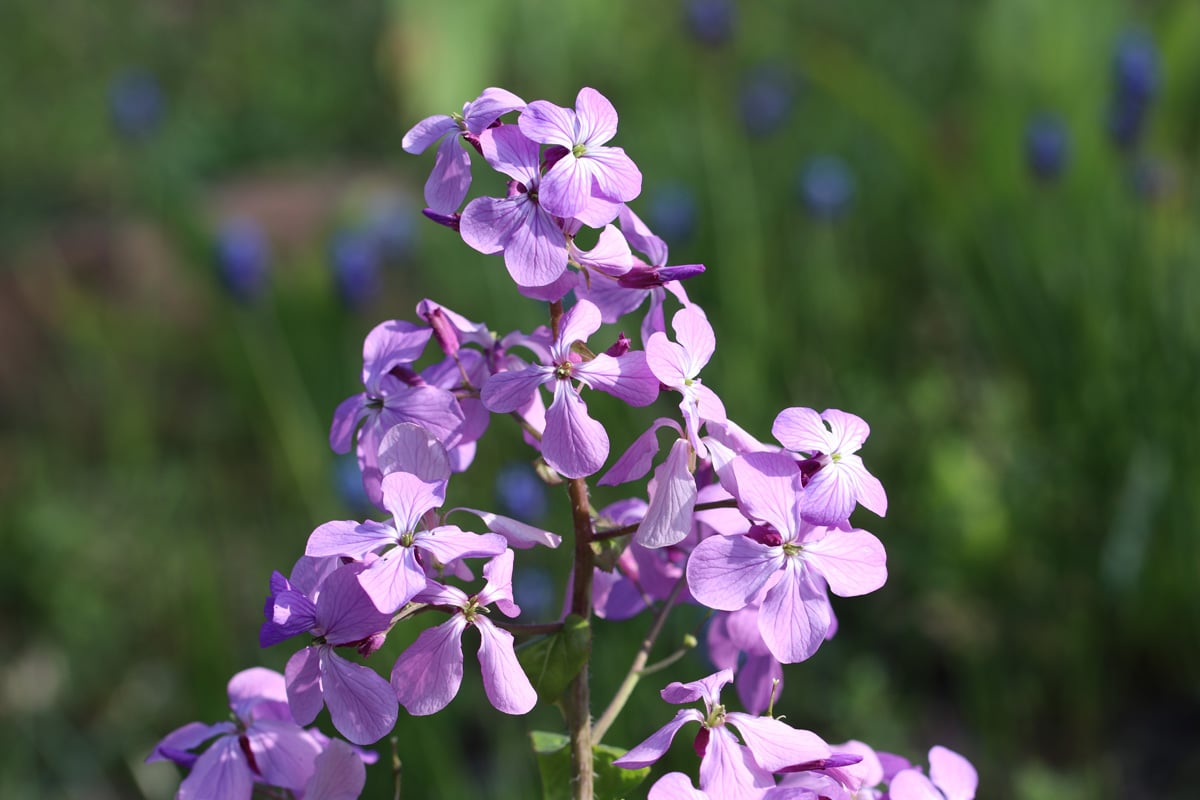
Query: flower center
point(578, 150)
point(564, 370)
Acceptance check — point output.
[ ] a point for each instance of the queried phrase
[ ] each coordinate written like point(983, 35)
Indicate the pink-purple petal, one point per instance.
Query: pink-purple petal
point(847, 431)
point(409, 447)
point(675, 786)
point(910, 784)
point(768, 490)
point(428, 674)
point(852, 562)
point(596, 116)
point(573, 444)
point(448, 183)
point(654, 747)
point(339, 774)
point(544, 122)
point(346, 537)
point(637, 460)
point(420, 136)
point(693, 331)
point(518, 534)
point(726, 572)
point(221, 771)
point(794, 617)
point(536, 251)
point(361, 704)
point(802, 430)
point(580, 322)
point(953, 774)
point(616, 178)
point(394, 579)
point(829, 496)
point(728, 770)
point(346, 417)
point(566, 189)
point(448, 543)
point(775, 744)
point(487, 222)
point(303, 675)
point(625, 377)
point(505, 683)
point(284, 753)
point(668, 361)
point(491, 104)
point(509, 151)
point(505, 392)
point(408, 497)
point(668, 518)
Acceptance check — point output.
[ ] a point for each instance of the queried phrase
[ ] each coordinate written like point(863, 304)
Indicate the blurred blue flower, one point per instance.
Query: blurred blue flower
point(391, 222)
point(765, 98)
point(710, 21)
point(520, 493)
point(1153, 179)
point(826, 186)
point(135, 103)
point(1046, 146)
point(1135, 83)
point(347, 480)
point(354, 258)
point(534, 593)
point(672, 213)
point(242, 257)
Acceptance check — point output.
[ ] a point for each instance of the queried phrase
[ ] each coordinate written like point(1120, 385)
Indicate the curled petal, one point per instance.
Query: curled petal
point(426, 132)
point(668, 518)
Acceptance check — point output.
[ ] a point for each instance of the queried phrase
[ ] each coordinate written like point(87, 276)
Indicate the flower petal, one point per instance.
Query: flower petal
point(448, 183)
point(726, 572)
point(573, 444)
point(654, 747)
point(511, 152)
point(426, 132)
point(361, 704)
point(794, 616)
point(284, 753)
point(596, 116)
point(340, 774)
point(775, 744)
point(668, 518)
point(625, 377)
point(802, 430)
point(544, 122)
point(505, 392)
point(853, 562)
point(506, 685)
point(768, 490)
point(221, 771)
point(953, 774)
point(427, 675)
point(491, 104)
point(303, 675)
point(728, 771)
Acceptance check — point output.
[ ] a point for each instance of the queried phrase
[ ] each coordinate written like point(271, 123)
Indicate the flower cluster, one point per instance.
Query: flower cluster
point(758, 532)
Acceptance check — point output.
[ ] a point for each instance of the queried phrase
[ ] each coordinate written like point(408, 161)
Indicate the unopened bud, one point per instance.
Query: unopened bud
point(620, 347)
point(451, 221)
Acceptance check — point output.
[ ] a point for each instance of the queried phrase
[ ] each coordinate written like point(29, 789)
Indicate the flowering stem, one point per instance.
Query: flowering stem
point(637, 668)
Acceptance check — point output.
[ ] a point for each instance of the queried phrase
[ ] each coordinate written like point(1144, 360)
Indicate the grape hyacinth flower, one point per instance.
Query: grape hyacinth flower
point(573, 443)
point(589, 180)
point(1046, 146)
point(447, 185)
point(729, 768)
point(710, 21)
point(826, 187)
point(766, 97)
point(262, 745)
point(1135, 83)
point(428, 674)
point(835, 479)
point(135, 101)
point(354, 259)
point(242, 257)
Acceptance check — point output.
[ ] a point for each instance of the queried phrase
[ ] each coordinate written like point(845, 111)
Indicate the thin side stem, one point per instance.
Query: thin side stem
point(614, 533)
point(637, 668)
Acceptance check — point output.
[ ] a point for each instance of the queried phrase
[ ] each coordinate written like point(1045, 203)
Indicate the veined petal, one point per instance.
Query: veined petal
point(340, 774)
point(580, 322)
point(427, 675)
point(284, 753)
point(667, 360)
point(910, 784)
point(626, 377)
point(668, 518)
point(853, 562)
point(174, 746)
point(848, 432)
point(727, 769)
point(409, 497)
point(696, 335)
point(303, 676)
point(573, 444)
point(252, 686)
point(596, 116)
point(448, 543)
point(509, 391)
point(409, 447)
point(389, 344)
point(707, 689)
point(492, 104)
point(505, 683)
point(768, 490)
point(346, 417)
point(775, 744)
point(509, 151)
point(544, 122)
point(653, 748)
point(708, 404)
point(615, 175)
point(953, 774)
point(610, 255)
point(361, 704)
point(448, 183)
point(802, 430)
point(498, 573)
point(867, 488)
point(487, 223)
point(435, 409)
point(426, 132)
point(345, 612)
point(220, 771)
point(519, 534)
point(726, 572)
point(344, 537)
point(536, 251)
point(829, 496)
point(675, 786)
point(393, 580)
point(566, 189)
point(637, 460)
point(794, 616)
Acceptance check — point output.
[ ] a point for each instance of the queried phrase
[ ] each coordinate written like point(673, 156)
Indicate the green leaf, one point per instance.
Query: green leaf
point(552, 661)
point(554, 765)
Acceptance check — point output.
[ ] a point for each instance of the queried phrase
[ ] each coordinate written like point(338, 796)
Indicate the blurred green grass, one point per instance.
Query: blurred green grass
point(1028, 356)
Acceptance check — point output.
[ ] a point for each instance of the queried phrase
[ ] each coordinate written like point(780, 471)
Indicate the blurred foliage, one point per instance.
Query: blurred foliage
point(1026, 350)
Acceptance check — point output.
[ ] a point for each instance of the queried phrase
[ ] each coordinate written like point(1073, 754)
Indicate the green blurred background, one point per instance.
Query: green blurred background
point(917, 212)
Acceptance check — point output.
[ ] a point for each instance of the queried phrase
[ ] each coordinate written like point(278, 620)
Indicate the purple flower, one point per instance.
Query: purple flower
point(354, 258)
point(399, 574)
point(1046, 146)
point(428, 674)
point(263, 744)
point(826, 187)
point(710, 21)
point(574, 444)
point(242, 257)
point(447, 185)
point(590, 171)
point(951, 777)
point(532, 240)
point(729, 768)
point(733, 638)
point(135, 100)
point(677, 365)
point(788, 558)
point(338, 613)
point(830, 440)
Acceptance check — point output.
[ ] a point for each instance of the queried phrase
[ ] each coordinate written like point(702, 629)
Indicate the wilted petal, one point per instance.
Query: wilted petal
point(852, 562)
point(573, 444)
point(361, 704)
point(726, 572)
point(505, 683)
point(518, 534)
point(427, 675)
point(657, 744)
point(221, 771)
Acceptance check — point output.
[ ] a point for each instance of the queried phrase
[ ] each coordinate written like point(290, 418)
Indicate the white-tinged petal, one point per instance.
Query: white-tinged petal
point(596, 116)
point(668, 518)
point(852, 562)
point(726, 572)
point(775, 744)
point(802, 430)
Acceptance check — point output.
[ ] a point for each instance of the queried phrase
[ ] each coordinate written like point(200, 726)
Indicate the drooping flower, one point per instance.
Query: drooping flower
point(830, 441)
point(263, 744)
point(574, 444)
point(729, 768)
point(427, 676)
point(450, 180)
point(790, 561)
point(591, 178)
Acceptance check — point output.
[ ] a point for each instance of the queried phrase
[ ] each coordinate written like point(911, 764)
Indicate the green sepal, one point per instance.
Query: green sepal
point(609, 550)
point(554, 765)
point(552, 661)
